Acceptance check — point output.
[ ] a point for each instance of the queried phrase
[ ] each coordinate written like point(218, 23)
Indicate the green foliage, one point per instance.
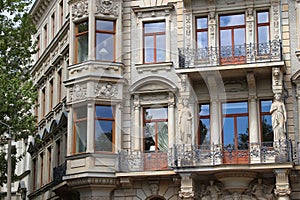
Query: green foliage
point(17, 94)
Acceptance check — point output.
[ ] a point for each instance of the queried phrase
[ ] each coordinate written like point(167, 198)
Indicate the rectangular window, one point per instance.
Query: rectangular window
point(263, 32)
point(202, 32)
point(80, 129)
point(51, 95)
point(81, 42)
point(38, 46)
point(232, 38)
point(104, 128)
point(53, 24)
point(61, 10)
point(105, 40)
point(154, 42)
point(49, 164)
point(45, 36)
point(59, 78)
point(266, 121)
point(34, 177)
point(42, 169)
point(43, 102)
point(156, 129)
point(204, 126)
point(57, 153)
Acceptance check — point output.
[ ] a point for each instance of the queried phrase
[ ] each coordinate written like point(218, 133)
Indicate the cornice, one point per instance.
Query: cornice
point(108, 182)
point(38, 9)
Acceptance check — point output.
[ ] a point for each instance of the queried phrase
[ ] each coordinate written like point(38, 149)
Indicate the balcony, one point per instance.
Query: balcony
point(137, 161)
point(185, 155)
point(230, 55)
point(59, 172)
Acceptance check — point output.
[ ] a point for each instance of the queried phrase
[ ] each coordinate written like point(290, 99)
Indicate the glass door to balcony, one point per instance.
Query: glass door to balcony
point(235, 133)
point(232, 39)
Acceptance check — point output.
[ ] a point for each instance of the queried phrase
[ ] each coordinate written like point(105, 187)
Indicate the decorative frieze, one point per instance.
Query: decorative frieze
point(106, 90)
point(107, 7)
point(78, 92)
point(93, 181)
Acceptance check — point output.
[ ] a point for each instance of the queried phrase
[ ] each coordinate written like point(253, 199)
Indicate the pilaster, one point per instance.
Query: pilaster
point(282, 190)
point(136, 135)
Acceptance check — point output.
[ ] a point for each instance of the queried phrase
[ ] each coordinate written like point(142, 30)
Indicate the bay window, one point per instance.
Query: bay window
point(104, 128)
point(105, 40)
point(156, 129)
point(81, 42)
point(154, 42)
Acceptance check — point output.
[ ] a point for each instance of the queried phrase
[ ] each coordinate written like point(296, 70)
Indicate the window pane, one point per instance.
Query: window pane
point(149, 131)
point(201, 23)
point(162, 136)
point(80, 113)
point(105, 25)
point(267, 130)
point(82, 27)
point(81, 130)
point(232, 20)
point(263, 17)
point(202, 39)
point(105, 46)
point(104, 135)
point(149, 49)
point(243, 133)
point(204, 127)
point(226, 38)
point(160, 48)
point(228, 131)
point(82, 48)
point(235, 108)
point(204, 110)
point(263, 34)
point(154, 27)
point(104, 112)
point(156, 113)
point(266, 105)
point(239, 36)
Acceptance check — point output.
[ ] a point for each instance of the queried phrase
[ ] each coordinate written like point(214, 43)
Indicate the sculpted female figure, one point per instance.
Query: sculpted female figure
point(185, 123)
point(278, 118)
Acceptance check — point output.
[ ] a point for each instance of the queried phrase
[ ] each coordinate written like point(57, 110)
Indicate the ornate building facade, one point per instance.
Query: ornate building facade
point(165, 100)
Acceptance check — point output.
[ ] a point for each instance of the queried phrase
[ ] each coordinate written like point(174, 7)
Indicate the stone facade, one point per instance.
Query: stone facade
point(166, 100)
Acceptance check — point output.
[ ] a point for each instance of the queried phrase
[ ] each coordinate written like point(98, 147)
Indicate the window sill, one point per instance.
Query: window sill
point(154, 67)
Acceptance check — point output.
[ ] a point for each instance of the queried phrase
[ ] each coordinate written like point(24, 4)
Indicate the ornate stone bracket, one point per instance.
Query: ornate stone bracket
point(282, 189)
point(186, 189)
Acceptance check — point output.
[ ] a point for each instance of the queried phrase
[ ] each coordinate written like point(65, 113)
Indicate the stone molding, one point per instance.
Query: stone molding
point(86, 182)
point(78, 92)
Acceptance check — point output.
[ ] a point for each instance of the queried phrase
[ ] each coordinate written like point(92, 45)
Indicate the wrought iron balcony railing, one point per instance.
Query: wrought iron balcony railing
point(130, 161)
point(185, 155)
point(230, 55)
point(59, 172)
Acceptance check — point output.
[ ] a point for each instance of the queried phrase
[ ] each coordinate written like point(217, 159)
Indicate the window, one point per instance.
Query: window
point(59, 78)
point(202, 33)
point(266, 121)
point(51, 95)
point(57, 153)
point(232, 38)
point(49, 164)
point(38, 46)
point(235, 132)
point(81, 42)
point(61, 10)
point(105, 40)
point(263, 32)
point(80, 129)
point(154, 42)
point(53, 24)
point(104, 128)
point(156, 129)
point(204, 125)
point(34, 163)
point(43, 102)
point(41, 169)
point(45, 36)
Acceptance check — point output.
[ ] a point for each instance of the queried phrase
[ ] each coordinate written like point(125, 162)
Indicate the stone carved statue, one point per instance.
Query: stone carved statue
point(212, 192)
point(261, 191)
point(185, 123)
point(278, 117)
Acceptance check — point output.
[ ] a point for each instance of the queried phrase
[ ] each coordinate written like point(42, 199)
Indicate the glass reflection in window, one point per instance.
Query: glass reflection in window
point(105, 40)
point(81, 46)
point(80, 129)
point(204, 125)
point(266, 122)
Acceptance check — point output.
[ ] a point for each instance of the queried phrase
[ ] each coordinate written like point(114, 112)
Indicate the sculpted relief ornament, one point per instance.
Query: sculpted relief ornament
point(185, 123)
point(79, 9)
point(78, 92)
point(106, 90)
point(107, 7)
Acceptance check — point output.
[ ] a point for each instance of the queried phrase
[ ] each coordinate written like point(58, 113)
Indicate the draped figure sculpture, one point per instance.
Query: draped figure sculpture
point(278, 113)
point(185, 123)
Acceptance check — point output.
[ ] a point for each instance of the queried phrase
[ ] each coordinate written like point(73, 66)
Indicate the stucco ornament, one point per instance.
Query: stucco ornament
point(107, 7)
point(77, 92)
point(278, 118)
point(186, 194)
point(261, 191)
point(185, 123)
point(212, 191)
point(106, 90)
point(80, 9)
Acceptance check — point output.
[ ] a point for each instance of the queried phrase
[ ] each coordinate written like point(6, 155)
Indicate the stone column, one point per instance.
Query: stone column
point(171, 120)
point(282, 190)
point(136, 135)
point(186, 190)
